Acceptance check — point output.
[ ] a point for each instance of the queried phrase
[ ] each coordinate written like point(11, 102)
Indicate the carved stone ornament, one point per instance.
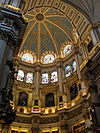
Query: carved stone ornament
point(8, 38)
point(6, 112)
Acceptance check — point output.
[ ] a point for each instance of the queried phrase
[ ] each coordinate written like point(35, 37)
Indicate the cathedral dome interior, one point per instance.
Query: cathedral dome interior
point(50, 66)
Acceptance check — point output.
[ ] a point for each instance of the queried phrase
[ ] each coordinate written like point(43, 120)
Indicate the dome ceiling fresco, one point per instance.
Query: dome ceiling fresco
point(47, 30)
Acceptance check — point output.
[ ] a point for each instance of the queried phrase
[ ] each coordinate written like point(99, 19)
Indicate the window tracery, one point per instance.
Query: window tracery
point(29, 78)
point(20, 75)
point(49, 59)
point(27, 58)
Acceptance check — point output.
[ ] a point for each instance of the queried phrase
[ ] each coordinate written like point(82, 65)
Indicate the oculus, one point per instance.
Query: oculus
point(49, 59)
point(67, 50)
point(27, 58)
point(39, 17)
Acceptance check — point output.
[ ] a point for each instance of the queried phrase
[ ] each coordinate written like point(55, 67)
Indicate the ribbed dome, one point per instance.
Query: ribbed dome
point(47, 30)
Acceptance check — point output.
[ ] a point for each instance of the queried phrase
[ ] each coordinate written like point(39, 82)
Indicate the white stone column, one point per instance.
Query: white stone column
point(83, 53)
point(77, 61)
point(59, 68)
point(25, 76)
point(94, 36)
point(37, 76)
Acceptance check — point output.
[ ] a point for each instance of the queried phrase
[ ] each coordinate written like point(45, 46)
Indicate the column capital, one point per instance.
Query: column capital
point(7, 38)
point(76, 48)
point(63, 125)
point(38, 67)
point(59, 63)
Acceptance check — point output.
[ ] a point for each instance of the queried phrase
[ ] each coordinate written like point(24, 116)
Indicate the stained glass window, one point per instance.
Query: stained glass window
point(54, 77)
point(29, 78)
point(67, 71)
point(20, 75)
point(45, 78)
point(49, 59)
point(27, 58)
point(67, 49)
point(74, 66)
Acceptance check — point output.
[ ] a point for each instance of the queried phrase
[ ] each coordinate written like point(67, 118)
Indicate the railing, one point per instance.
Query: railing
point(92, 52)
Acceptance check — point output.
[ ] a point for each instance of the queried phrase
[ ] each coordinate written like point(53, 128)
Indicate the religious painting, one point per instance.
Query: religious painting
point(73, 91)
point(23, 98)
point(49, 101)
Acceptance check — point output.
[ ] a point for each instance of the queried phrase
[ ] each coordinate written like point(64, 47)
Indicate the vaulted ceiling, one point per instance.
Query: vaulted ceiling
point(51, 24)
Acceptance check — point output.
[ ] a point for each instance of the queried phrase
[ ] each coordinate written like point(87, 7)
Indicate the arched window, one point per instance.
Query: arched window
point(49, 59)
point(27, 58)
point(74, 66)
point(67, 49)
point(67, 70)
point(45, 78)
point(54, 77)
point(49, 101)
point(23, 98)
point(73, 91)
point(29, 78)
point(20, 75)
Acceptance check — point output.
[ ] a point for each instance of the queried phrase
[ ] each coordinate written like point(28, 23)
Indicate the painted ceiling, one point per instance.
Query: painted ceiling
point(47, 30)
